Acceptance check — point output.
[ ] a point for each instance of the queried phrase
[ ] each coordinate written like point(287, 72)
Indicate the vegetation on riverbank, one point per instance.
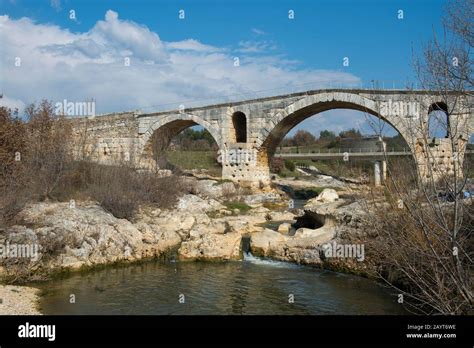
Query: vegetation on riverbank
point(36, 165)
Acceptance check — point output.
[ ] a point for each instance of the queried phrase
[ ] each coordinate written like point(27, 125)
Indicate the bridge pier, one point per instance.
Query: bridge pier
point(243, 164)
point(437, 159)
point(380, 172)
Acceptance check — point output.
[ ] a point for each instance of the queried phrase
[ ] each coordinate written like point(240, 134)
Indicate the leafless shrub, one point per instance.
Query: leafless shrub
point(276, 165)
point(33, 156)
point(120, 190)
point(13, 198)
point(414, 253)
point(20, 270)
point(45, 170)
point(229, 191)
point(48, 148)
point(53, 245)
point(423, 242)
point(13, 177)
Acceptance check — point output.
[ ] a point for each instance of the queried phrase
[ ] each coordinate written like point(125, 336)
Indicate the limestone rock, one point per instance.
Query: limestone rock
point(261, 243)
point(214, 189)
point(281, 215)
point(327, 196)
point(212, 247)
point(284, 228)
point(192, 204)
point(259, 198)
point(86, 235)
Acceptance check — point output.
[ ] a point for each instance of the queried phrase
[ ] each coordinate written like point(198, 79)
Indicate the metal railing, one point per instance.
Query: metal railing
point(342, 151)
point(350, 152)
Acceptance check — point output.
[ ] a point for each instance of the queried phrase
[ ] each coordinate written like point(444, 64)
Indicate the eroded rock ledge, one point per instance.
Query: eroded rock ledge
point(199, 228)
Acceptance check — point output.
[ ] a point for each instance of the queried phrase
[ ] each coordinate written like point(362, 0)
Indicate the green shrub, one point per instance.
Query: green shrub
point(242, 207)
point(290, 165)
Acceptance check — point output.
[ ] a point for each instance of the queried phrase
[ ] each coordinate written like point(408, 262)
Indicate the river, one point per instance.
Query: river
point(252, 286)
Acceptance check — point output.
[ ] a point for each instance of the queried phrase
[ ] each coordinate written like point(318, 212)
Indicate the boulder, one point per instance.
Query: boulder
point(280, 215)
point(328, 195)
point(214, 189)
point(261, 243)
point(318, 235)
point(164, 173)
point(192, 204)
point(299, 170)
point(215, 247)
point(284, 228)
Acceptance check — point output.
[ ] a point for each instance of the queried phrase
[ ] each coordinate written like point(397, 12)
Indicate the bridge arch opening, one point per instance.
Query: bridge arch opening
point(438, 121)
point(334, 127)
point(239, 123)
point(184, 146)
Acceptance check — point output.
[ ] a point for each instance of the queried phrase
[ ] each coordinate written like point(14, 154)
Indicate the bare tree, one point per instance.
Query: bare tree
point(48, 149)
point(424, 240)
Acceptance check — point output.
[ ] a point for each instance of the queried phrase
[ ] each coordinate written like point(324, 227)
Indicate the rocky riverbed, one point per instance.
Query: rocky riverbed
point(202, 226)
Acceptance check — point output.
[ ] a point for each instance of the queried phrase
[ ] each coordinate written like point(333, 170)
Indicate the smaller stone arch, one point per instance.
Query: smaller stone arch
point(239, 123)
point(160, 133)
point(193, 120)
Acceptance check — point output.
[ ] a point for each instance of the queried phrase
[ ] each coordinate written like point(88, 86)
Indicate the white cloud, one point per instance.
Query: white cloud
point(12, 103)
point(258, 31)
point(256, 46)
point(191, 45)
point(57, 64)
point(125, 36)
point(56, 4)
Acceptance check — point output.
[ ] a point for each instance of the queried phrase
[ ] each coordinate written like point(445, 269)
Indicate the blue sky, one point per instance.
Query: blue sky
point(191, 60)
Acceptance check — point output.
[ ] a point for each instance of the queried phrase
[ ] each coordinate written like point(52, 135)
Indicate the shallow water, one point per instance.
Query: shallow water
point(253, 286)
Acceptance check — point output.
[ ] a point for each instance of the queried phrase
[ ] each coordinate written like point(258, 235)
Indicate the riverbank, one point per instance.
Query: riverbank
point(213, 224)
point(19, 300)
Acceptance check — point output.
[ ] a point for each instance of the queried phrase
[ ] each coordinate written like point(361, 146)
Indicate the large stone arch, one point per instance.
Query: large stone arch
point(308, 106)
point(165, 128)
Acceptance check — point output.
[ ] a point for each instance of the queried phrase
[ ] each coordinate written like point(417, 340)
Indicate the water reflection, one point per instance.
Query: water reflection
point(253, 286)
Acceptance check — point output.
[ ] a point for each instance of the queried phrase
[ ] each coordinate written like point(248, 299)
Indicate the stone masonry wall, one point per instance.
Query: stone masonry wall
point(109, 139)
point(126, 137)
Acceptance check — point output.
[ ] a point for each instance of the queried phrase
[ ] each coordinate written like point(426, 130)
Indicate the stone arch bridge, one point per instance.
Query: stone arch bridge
point(248, 132)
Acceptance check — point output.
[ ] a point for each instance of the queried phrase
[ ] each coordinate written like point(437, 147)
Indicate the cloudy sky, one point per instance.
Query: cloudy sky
point(156, 55)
